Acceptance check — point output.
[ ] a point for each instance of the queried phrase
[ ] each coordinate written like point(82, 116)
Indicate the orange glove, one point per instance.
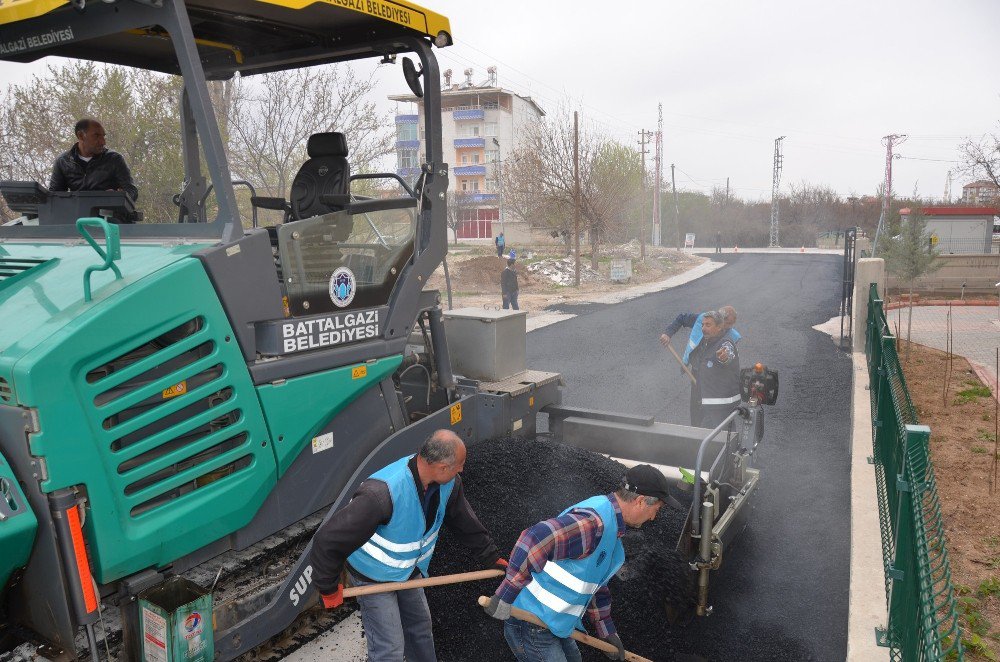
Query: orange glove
point(335, 599)
point(501, 563)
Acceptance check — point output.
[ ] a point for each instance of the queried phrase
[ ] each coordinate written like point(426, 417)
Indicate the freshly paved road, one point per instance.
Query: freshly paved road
point(782, 592)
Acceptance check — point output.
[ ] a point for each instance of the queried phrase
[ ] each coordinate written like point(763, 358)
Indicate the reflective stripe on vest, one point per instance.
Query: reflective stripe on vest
point(401, 545)
point(560, 593)
point(720, 401)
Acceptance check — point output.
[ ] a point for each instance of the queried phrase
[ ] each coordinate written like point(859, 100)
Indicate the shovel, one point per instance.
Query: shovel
point(582, 637)
point(424, 582)
point(682, 364)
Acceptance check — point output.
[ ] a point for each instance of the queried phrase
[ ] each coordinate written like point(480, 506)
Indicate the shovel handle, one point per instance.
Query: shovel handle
point(388, 587)
point(683, 365)
point(582, 637)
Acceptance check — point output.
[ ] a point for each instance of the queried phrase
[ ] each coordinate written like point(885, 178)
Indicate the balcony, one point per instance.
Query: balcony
point(484, 197)
point(408, 144)
point(461, 143)
point(471, 114)
point(408, 173)
point(407, 119)
point(470, 170)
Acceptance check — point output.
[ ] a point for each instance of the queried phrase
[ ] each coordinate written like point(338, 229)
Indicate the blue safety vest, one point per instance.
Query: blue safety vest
point(560, 593)
point(697, 335)
point(401, 545)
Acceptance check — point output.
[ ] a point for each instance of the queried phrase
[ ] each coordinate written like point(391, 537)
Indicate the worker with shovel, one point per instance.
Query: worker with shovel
point(387, 533)
point(695, 321)
point(559, 571)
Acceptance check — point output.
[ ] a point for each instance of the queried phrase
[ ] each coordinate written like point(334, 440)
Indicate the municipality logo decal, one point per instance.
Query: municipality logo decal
point(342, 287)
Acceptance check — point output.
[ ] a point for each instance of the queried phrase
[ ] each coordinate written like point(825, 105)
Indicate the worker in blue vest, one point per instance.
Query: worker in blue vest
point(560, 568)
point(694, 321)
point(387, 533)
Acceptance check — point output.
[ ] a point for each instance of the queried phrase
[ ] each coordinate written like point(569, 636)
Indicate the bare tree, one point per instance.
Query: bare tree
point(980, 159)
point(460, 203)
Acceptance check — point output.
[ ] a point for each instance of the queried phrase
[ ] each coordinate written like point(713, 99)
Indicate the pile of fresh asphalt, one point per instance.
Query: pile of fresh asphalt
point(514, 483)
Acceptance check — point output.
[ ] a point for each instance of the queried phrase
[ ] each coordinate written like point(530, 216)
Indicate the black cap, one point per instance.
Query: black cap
point(647, 481)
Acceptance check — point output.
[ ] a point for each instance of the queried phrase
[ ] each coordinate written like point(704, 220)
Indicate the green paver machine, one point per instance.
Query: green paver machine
point(175, 392)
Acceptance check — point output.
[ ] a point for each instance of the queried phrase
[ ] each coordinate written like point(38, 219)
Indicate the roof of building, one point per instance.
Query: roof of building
point(979, 183)
point(457, 90)
point(955, 211)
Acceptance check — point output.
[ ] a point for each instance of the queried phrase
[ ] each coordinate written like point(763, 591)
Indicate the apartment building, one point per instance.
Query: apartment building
point(481, 125)
point(981, 192)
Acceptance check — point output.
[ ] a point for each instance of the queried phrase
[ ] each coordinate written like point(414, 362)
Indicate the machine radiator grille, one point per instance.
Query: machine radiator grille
point(14, 268)
point(6, 394)
point(167, 412)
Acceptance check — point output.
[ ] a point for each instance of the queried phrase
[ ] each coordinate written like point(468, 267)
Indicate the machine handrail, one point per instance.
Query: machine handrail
point(696, 515)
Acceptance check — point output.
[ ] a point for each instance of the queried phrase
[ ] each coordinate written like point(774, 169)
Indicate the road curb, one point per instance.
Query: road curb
point(867, 602)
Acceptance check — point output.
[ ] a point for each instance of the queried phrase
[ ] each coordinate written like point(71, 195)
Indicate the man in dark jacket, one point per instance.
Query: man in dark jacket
point(508, 285)
point(715, 363)
point(387, 533)
point(90, 166)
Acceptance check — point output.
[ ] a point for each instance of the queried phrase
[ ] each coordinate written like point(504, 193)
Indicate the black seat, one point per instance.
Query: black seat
point(322, 184)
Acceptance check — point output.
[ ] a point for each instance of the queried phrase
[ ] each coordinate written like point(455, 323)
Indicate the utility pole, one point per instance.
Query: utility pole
point(890, 141)
point(677, 209)
point(499, 184)
point(947, 189)
point(657, 211)
point(576, 193)
point(643, 134)
point(775, 183)
point(727, 191)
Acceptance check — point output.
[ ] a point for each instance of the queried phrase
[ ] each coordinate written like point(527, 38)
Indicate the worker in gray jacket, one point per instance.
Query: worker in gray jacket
point(715, 362)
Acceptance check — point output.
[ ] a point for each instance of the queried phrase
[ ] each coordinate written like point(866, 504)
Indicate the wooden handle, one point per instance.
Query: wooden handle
point(683, 365)
point(388, 587)
point(582, 637)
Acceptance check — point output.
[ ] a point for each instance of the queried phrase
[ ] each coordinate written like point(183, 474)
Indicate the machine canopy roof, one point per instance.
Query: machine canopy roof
point(249, 36)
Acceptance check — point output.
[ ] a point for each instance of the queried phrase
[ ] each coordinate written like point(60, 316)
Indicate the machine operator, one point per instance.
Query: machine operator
point(90, 166)
point(387, 533)
point(560, 568)
point(694, 322)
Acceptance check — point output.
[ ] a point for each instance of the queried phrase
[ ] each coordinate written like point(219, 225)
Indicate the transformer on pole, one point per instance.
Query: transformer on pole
point(775, 183)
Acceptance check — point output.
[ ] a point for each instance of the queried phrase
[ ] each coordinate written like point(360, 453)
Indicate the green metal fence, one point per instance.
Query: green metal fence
point(923, 623)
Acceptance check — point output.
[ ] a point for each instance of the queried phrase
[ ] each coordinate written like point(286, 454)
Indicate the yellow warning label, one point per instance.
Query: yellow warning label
point(175, 390)
point(456, 413)
point(531, 402)
point(359, 371)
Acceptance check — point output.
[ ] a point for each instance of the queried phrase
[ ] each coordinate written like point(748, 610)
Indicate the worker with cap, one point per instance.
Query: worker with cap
point(387, 533)
point(559, 570)
point(694, 322)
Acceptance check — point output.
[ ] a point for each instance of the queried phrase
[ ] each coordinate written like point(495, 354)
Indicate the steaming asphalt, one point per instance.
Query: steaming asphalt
point(786, 580)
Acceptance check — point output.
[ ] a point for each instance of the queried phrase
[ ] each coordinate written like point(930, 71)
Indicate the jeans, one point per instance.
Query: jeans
point(397, 625)
point(510, 301)
point(531, 643)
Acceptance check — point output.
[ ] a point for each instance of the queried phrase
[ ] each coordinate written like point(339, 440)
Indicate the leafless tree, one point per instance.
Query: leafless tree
point(460, 203)
point(980, 159)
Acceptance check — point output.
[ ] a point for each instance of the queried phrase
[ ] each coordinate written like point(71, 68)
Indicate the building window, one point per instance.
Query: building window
point(491, 185)
point(465, 159)
point(469, 130)
point(475, 184)
point(491, 128)
point(406, 132)
point(465, 184)
point(407, 158)
point(475, 158)
point(492, 155)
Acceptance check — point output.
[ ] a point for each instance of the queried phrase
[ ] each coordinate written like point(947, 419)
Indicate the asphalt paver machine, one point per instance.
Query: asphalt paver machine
point(176, 391)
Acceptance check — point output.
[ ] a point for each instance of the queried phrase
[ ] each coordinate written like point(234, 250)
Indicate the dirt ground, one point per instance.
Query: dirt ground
point(963, 445)
point(475, 275)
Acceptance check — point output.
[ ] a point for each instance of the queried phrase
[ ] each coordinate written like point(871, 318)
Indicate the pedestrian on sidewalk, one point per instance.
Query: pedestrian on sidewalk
point(500, 243)
point(559, 570)
point(387, 533)
point(508, 284)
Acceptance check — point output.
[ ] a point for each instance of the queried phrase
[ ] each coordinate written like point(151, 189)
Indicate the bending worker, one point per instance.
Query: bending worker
point(387, 533)
point(560, 568)
point(694, 322)
point(90, 166)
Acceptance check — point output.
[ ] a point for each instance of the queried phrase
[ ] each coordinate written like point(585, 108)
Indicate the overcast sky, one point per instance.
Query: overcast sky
point(833, 76)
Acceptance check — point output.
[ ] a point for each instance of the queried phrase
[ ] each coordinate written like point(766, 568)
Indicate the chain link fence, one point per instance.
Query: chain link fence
point(922, 623)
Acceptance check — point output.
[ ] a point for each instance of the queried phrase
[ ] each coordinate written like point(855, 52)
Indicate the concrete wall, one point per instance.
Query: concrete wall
point(980, 273)
point(869, 270)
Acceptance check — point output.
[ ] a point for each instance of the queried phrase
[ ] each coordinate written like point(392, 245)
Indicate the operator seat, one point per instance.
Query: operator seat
point(322, 184)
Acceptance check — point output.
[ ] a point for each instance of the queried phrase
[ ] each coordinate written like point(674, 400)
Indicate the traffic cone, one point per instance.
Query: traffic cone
point(736, 249)
point(802, 250)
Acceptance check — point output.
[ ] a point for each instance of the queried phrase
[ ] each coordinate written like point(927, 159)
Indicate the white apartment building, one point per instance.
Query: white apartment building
point(481, 125)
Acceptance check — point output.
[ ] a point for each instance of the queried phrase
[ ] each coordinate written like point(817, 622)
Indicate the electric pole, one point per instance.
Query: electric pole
point(947, 189)
point(677, 209)
point(727, 191)
point(890, 141)
point(576, 193)
point(643, 134)
point(657, 212)
point(775, 184)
